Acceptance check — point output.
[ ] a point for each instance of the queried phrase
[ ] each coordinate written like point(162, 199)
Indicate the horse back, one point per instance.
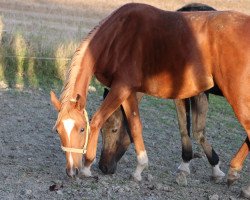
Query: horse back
point(164, 54)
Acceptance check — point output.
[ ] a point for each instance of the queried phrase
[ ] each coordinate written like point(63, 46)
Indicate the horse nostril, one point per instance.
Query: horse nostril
point(103, 168)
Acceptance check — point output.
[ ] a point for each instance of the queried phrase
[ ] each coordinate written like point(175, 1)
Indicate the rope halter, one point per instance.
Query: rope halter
point(87, 132)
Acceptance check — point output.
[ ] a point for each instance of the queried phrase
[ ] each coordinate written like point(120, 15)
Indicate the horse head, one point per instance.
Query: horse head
point(115, 140)
point(72, 125)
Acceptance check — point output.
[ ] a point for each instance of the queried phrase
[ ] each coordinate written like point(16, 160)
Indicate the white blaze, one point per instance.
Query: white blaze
point(68, 125)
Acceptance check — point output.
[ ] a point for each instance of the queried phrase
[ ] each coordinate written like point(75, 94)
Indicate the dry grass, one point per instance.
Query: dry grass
point(54, 28)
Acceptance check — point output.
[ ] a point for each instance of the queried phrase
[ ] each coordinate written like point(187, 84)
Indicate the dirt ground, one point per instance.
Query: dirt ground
point(32, 161)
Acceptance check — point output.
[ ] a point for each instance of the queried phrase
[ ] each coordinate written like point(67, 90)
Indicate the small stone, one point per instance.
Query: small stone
point(213, 197)
point(149, 177)
point(168, 189)
point(29, 159)
point(126, 188)
point(28, 192)
point(121, 190)
point(159, 186)
point(59, 192)
point(181, 179)
point(232, 198)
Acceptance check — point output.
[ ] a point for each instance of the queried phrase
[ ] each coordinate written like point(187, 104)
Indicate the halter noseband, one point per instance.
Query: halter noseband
point(84, 149)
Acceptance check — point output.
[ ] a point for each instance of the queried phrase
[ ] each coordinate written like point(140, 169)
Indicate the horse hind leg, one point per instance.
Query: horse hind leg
point(183, 115)
point(199, 106)
point(130, 106)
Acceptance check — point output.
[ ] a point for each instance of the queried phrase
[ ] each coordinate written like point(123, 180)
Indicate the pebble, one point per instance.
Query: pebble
point(28, 192)
point(127, 189)
point(168, 189)
point(59, 192)
point(213, 197)
point(149, 178)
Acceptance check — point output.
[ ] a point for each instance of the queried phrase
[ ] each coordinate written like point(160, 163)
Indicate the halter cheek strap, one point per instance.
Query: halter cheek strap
point(87, 132)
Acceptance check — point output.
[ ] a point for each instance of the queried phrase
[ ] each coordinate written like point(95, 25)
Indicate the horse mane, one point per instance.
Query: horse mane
point(74, 68)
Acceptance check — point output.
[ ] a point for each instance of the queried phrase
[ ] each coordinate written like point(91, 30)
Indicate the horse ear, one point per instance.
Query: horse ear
point(54, 100)
point(77, 102)
point(105, 92)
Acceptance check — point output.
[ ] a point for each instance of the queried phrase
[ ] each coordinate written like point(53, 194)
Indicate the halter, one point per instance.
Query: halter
point(84, 149)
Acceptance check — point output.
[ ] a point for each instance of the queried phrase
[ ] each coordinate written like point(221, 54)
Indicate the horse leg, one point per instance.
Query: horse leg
point(130, 106)
point(237, 163)
point(118, 93)
point(199, 106)
point(183, 114)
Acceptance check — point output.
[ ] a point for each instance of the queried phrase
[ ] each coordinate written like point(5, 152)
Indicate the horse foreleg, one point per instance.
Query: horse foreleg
point(237, 162)
point(199, 106)
point(118, 93)
point(130, 107)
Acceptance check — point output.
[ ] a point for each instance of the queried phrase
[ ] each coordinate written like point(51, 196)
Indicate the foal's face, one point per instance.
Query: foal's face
point(115, 140)
point(70, 126)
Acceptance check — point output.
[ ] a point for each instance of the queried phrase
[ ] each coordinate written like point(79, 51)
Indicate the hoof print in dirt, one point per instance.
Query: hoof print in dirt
point(181, 178)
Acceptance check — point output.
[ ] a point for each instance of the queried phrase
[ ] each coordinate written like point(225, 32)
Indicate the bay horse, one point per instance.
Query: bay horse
point(116, 134)
point(140, 48)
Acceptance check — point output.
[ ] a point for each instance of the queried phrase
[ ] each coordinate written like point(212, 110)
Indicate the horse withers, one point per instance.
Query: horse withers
point(116, 134)
point(140, 48)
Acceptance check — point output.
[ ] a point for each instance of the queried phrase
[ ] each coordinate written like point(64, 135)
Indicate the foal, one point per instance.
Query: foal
point(116, 135)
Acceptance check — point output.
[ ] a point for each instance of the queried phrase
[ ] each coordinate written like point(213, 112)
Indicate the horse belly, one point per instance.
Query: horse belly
point(169, 88)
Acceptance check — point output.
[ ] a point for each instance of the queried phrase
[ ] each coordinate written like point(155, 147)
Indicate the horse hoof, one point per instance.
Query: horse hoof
point(217, 179)
point(233, 176)
point(85, 172)
point(136, 177)
point(245, 192)
point(181, 178)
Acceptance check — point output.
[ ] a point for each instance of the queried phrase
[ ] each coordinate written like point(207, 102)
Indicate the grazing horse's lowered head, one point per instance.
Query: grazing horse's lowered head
point(73, 129)
point(116, 139)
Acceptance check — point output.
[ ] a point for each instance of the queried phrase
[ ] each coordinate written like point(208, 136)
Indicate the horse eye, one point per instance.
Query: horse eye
point(114, 130)
point(82, 130)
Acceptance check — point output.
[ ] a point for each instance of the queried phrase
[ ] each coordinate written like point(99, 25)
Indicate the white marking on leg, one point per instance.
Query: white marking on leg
point(216, 172)
point(184, 166)
point(86, 171)
point(68, 125)
point(142, 162)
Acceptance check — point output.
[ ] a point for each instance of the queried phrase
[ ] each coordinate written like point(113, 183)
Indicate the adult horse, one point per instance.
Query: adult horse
point(139, 48)
point(116, 137)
